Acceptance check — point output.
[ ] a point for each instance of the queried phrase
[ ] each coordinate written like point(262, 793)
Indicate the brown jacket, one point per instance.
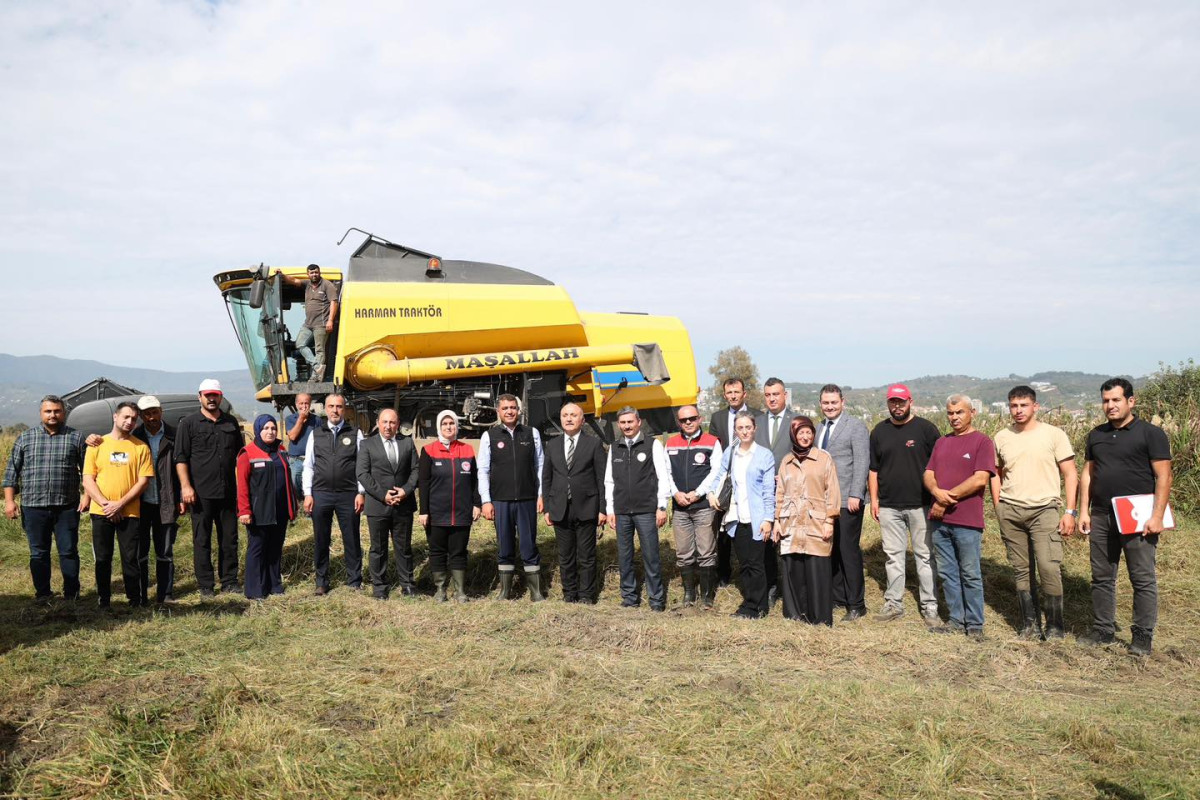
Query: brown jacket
point(806, 496)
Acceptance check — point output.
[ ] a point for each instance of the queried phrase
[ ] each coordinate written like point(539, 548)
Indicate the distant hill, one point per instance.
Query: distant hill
point(26, 379)
point(1070, 391)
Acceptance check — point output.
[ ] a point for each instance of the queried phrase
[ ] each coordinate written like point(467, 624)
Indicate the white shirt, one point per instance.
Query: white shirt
point(306, 477)
point(483, 462)
point(737, 471)
point(662, 470)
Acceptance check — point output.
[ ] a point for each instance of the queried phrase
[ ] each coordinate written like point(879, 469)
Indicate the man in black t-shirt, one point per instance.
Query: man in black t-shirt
point(900, 449)
point(206, 448)
point(1125, 456)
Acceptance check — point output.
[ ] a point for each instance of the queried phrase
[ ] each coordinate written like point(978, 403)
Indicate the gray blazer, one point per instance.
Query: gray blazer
point(377, 475)
point(783, 442)
point(850, 446)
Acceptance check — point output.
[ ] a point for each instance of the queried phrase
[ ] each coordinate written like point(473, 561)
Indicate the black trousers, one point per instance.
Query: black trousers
point(396, 525)
point(325, 506)
point(807, 594)
point(848, 588)
point(754, 580)
point(770, 566)
point(264, 559)
point(577, 558)
point(223, 514)
point(724, 550)
point(126, 533)
point(447, 547)
point(153, 531)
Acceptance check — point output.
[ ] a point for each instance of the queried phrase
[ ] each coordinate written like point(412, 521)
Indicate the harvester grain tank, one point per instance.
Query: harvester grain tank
point(419, 333)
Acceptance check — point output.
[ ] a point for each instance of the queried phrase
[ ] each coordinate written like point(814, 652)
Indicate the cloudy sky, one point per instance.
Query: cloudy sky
point(853, 192)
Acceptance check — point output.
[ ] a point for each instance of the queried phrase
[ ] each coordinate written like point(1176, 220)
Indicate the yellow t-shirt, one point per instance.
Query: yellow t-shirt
point(116, 465)
point(1029, 460)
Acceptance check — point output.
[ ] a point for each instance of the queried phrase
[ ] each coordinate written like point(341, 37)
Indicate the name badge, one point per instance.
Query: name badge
point(346, 440)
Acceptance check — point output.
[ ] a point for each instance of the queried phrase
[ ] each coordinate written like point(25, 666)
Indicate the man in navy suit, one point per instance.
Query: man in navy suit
point(387, 470)
point(572, 491)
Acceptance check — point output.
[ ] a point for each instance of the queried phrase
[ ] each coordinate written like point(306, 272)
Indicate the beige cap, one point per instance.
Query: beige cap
point(149, 401)
point(210, 385)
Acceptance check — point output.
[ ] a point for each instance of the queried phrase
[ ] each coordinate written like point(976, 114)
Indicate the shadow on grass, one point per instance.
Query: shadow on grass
point(26, 623)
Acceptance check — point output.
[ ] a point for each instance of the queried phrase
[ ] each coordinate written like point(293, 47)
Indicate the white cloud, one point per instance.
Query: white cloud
point(924, 184)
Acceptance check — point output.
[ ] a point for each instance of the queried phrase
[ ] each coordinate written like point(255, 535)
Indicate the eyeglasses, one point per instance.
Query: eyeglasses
point(688, 419)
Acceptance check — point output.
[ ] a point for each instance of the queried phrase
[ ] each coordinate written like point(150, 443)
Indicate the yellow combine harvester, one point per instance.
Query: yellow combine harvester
point(420, 334)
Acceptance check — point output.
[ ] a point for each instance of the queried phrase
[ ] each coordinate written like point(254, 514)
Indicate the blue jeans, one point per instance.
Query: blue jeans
point(647, 531)
point(296, 468)
point(958, 550)
point(62, 523)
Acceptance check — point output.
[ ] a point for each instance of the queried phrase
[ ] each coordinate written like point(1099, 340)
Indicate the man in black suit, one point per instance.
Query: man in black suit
point(572, 488)
point(387, 470)
point(774, 432)
point(721, 426)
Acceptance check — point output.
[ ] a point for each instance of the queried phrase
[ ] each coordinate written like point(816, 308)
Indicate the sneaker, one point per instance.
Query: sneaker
point(889, 613)
point(854, 615)
point(975, 634)
point(1142, 643)
point(629, 604)
point(932, 620)
point(321, 591)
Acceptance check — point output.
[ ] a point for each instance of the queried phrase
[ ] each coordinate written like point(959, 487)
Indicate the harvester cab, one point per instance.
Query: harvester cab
point(421, 334)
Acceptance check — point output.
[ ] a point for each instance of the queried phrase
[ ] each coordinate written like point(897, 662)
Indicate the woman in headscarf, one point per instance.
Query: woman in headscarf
point(807, 498)
point(448, 487)
point(265, 506)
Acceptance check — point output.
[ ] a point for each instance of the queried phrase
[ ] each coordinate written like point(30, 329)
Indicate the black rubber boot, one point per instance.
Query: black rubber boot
point(440, 579)
point(533, 580)
point(506, 582)
point(688, 574)
point(458, 578)
point(1143, 642)
point(1030, 624)
point(708, 586)
point(1054, 617)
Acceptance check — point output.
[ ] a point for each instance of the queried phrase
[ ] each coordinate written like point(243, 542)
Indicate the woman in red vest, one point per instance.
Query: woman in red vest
point(265, 506)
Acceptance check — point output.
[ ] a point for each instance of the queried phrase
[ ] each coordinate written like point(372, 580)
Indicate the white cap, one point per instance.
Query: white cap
point(149, 401)
point(210, 385)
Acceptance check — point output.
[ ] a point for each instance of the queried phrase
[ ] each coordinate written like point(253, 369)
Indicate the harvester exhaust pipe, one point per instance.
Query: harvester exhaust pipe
point(379, 365)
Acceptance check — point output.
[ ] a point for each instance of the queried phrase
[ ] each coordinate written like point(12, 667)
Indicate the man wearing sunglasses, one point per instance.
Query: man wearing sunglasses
point(691, 454)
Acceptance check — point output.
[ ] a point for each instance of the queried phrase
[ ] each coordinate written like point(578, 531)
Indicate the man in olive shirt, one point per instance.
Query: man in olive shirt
point(1031, 457)
point(206, 447)
point(320, 311)
point(1125, 456)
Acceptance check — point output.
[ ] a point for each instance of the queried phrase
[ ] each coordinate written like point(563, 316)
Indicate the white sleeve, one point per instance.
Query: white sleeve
point(608, 484)
point(357, 446)
point(659, 453)
point(714, 463)
point(306, 477)
point(541, 457)
point(483, 462)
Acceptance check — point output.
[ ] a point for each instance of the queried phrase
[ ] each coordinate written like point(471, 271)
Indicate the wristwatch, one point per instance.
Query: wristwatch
point(1072, 512)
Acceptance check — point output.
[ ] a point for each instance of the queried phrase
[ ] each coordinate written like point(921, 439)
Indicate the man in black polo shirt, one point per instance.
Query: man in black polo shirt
point(331, 487)
point(1125, 456)
point(206, 447)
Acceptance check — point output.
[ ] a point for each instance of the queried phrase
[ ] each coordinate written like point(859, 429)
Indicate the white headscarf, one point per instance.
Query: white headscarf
point(440, 417)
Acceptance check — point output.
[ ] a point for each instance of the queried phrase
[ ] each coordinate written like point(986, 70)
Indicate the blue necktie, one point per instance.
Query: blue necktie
point(825, 438)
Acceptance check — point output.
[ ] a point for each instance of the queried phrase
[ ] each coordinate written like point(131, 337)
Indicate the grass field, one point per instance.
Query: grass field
point(345, 696)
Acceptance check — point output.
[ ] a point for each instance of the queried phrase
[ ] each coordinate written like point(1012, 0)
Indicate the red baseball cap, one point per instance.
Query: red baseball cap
point(898, 391)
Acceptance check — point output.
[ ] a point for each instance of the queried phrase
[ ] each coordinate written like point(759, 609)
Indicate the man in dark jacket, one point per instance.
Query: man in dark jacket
point(331, 488)
point(158, 523)
point(387, 471)
point(572, 490)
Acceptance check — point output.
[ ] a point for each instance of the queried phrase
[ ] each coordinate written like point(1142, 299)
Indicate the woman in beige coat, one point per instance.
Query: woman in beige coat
point(807, 498)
